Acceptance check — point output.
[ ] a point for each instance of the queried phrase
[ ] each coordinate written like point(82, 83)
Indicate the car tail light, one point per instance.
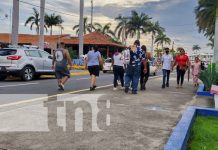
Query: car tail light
point(14, 57)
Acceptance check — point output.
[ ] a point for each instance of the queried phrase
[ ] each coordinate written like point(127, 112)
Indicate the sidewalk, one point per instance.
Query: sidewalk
point(138, 122)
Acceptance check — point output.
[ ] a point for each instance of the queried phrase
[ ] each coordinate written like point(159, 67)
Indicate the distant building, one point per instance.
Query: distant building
point(106, 45)
point(206, 57)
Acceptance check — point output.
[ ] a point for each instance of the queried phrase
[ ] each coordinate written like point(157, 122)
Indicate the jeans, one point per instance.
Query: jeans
point(180, 75)
point(166, 74)
point(132, 75)
point(118, 74)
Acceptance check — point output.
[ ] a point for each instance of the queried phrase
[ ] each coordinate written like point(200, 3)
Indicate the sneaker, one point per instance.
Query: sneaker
point(95, 86)
point(122, 87)
point(163, 86)
point(126, 89)
point(114, 88)
point(167, 85)
point(61, 87)
point(92, 89)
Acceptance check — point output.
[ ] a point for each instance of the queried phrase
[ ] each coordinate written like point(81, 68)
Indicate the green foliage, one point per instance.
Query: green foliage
point(73, 53)
point(206, 16)
point(209, 77)
point(204, 134)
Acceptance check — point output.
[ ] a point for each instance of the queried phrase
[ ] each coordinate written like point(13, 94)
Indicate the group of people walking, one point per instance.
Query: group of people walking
point(129, 67)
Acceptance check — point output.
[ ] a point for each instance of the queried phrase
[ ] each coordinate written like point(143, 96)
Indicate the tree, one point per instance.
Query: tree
point(53, 20)
point(121, 29)
point(34, 20)
point(206, 16)
point(87, 26)
point(104, 29)
point(207, 21)
point(162, 39)
point(137, 23)
point(211, 44)
point(196, 48)
point(154, 29)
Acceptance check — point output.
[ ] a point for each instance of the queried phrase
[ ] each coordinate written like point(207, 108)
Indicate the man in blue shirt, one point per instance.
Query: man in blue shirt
point(134, 67)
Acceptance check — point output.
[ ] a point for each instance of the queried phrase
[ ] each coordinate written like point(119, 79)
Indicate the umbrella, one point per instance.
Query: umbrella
point(188, 73)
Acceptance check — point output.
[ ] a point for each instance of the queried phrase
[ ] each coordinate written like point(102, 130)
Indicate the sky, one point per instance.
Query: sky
point(176, 16)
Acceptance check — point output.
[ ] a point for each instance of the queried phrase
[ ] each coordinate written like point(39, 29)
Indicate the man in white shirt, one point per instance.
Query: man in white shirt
point(167, 61)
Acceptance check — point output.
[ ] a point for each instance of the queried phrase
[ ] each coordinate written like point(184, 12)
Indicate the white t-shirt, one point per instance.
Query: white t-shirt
point(167, 59)
point(118, 60)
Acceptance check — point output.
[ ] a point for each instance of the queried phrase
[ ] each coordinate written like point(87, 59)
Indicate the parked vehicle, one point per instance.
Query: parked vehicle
point(27, 63)
point(107, 66)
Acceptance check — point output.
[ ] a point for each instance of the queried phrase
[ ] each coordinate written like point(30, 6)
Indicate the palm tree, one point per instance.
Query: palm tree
point(206, 16)
point(104, 29)
point(196, 48)
point(154, 29)
point(34, 20)
point(53, 20)
point(87, 26)
point(207, 20)
point(211, 44)
point(162, 39)
point(137, 23)
point(121, 29)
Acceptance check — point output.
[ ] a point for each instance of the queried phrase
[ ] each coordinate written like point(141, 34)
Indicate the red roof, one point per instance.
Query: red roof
point(95, 38)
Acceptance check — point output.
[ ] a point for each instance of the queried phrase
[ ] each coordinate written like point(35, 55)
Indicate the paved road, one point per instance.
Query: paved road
point(44, 87)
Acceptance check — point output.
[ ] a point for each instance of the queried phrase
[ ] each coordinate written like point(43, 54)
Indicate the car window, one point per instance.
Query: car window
point(6, 52)
point(32, 53)
point(44, 54)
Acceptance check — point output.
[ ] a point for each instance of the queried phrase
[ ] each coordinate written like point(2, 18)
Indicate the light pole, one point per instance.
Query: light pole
point(15, 22)
point(91, 15)
point(81, 28)
point(42, 22)
point(216, 41)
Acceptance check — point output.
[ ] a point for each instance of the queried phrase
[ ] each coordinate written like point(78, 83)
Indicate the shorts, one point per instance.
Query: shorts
point(61, 73)
point(94, 70)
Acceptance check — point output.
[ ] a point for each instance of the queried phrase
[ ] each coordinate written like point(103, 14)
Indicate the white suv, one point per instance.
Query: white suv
point(27, 63)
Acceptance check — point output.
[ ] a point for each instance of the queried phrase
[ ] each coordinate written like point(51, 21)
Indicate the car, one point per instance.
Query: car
point(107, 66)
point(153, 69)
point(27, 63)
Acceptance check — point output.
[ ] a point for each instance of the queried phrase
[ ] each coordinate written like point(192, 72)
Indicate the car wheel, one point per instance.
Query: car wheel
point(104, 71)
point(27, 74)
point(3, 77)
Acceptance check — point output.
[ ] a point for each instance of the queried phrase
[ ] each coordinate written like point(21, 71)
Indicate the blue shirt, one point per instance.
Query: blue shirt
point(93, 58)
point(137, 57)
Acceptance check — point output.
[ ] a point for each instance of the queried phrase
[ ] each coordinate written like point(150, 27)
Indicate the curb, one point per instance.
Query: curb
point(72, 74)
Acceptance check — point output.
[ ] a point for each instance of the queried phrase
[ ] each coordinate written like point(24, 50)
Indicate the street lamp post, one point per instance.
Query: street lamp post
point(81, 28)
point(15, 22)
point(216, 40)
point(91, 15)
point(42, 22)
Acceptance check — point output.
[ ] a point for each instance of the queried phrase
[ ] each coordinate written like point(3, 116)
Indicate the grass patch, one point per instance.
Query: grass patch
point(204, 134)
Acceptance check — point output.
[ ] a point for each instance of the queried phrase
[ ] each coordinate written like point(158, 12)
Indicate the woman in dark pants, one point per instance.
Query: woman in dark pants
point(144, 76)
point(118, 69)
point(182, 62)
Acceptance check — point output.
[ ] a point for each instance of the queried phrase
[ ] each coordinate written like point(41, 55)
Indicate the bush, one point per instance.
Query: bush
point(209, 77)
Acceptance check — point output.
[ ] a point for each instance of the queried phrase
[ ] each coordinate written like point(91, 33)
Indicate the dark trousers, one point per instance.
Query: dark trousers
point(118, 74)
point(144, 76)
point(166, 75)
point(132, 76)
point(180, 75)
